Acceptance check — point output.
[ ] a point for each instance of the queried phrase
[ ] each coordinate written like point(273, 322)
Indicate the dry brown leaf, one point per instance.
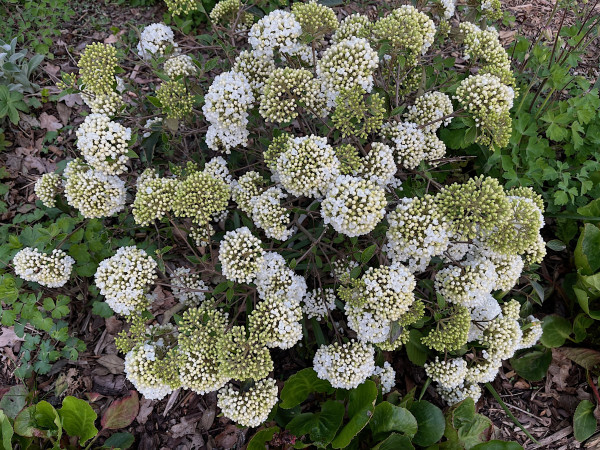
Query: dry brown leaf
point(112, 39)
point(72, 100)
point(49, 122)
point(64, 112)
point(8, 337)
point(51, 69)
point(228, 438)
point(146, 407)
point(113, 363)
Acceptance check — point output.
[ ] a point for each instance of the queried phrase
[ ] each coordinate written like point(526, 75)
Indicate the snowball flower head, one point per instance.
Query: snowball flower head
point(141, 369)
point(241, 255)
point(387, 377)
point(318, 302)
point(180, 65)
point(155, 40)
point(47, 187)
point(278, 30)
point(50, 270)
point(345, 366)
point(248, 408)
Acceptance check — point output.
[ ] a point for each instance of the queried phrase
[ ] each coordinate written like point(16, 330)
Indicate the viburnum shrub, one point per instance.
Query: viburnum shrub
point(304, 202)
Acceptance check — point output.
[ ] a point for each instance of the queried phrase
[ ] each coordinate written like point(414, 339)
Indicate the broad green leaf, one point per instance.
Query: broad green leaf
point(368, 253)
point(416, 351)
point(300, 385)
point(361, 403)
point(395, 442)
point(261, 437)
point(122, 412)
point(388, 417)
point(587, 251)
point(47, 418)
point(25, 423)
point(532, 364)
point(580, 326)
point(120, 440)
point(78, 419)
point(321, 426)
point(14, 401)
point(6, 432)
point(592, 209)
point(584, 422)
point(430, 421)
point(556, 330)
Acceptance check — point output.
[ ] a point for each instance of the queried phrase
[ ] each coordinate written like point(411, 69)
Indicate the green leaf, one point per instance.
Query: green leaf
point(584, 422)
point(497, 445)
point(6, 431)
point(368, 253)
point(298, 387)
point(532, 364)
point(395, 442)
point(556, 245)
point(592, 209)
point(430, 421)
point(587, 251)
point(102, 309)
point(580, 326)
point(122, 412)
point(464, 426)
point(25, 423)
point(416, 351)
point(556, 331)
point(261, 437)
point(78, 419)
point(360, 410)
point(388, 417)
point(120, 440)
point(47, 418)
point(320, 426)
point(14, 401)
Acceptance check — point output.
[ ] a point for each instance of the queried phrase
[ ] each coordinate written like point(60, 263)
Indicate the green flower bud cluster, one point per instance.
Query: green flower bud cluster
point(201, 234)
point(512, 309)
point(399, 332)
point(316, 20)
point(256, 68)
point(106, 104)
point(308, 166)
point(179, 7)
point(94, 193)
point(431, 111)
point(97, 67)
point(349, 158)
point(153, 199)
point(276, 320)
point(489, 101)
point(408, 31)
point(502, 337)
point(448, 374)
point(354, 116)
point(451, 332)
point(485, 46)
point(277, 146)
point(532, 334)
point(250, 407)
point(47, 188)
point(249, 186)
point(344, 366)
point(199, 196)
point(180, 66)
point(241, 255)
point(243, 356)
point(286, 91)
point(477, 206)
point(175, 100)
point(51, 270)
point(417, 232)
point(536, 252)
point(355, 25)
point(227, 11)
point(491, 9)
point(353, 206)
point(197, 353)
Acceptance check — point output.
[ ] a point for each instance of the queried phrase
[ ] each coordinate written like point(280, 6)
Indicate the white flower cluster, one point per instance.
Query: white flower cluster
point(417, 232)
point(278, 30)
point(256, 68)
point(347, 64)
point(226, 106)
point(409, 143)
point(381, 297)
point(241, 255)
point(341, 269)
point(448, 374)
point(355, 25)
point(353, 206)
point(460, 393)
point(430, 110)
point(140, 363)
point(47, 187)
point(268, 214)
point(448, 7)
point(51, 270)
point(248, 408)
point(275, 279)
point(180, 65)
point(318, 302)
point(124, 279)
point(104, 144)
point(387, 377)
point(308, 166)
point(463, 284)
point(107, 103)
point(94, 193)
point(155, 40)
point(277, 321)
point(188, 287)
point(344, 366)
point(245, 189)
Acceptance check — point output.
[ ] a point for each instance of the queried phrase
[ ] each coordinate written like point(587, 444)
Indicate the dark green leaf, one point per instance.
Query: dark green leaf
point(556, 330)
point(320, 426)
point(120, 440)
point(497, 445)
point(298, 387)
point(261, 437)
point(532, 364)
point(388, 417)
point(430, 421)
point(584, 422)
point(395, 442)
point(14, 401)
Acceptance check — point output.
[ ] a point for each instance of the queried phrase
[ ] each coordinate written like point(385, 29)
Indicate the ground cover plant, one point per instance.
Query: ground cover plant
point(290, 188)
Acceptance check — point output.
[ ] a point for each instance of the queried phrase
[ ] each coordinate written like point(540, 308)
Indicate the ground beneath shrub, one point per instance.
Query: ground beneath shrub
point(185, 420)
